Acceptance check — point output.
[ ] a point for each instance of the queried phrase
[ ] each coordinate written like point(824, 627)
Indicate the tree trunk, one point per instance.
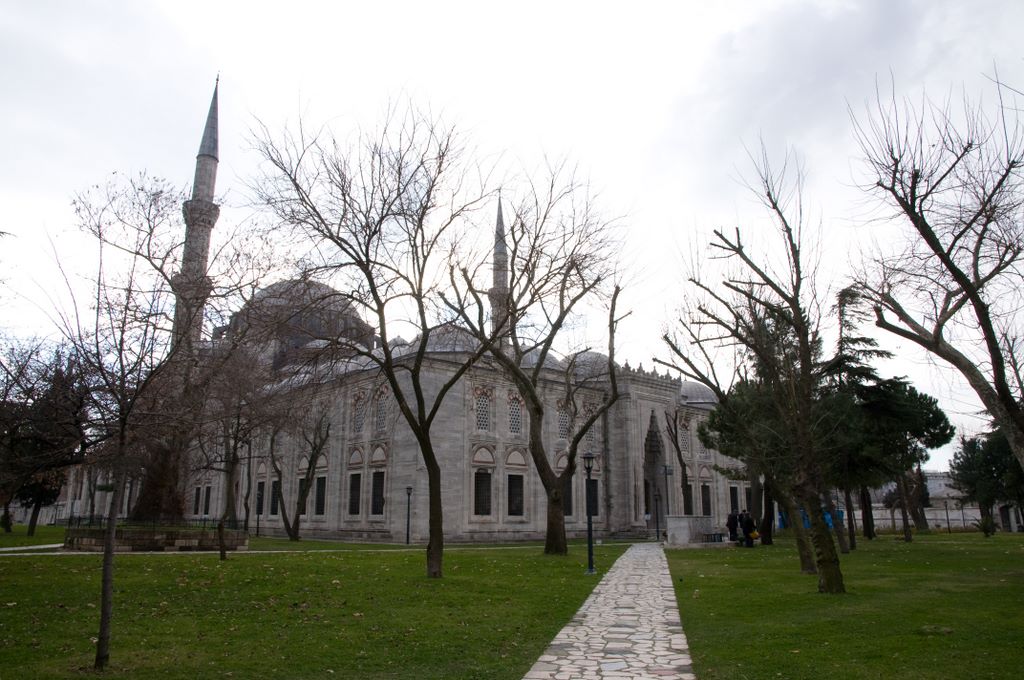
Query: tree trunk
point(554, 538)
point(34, 518)
point(435, 519)
point(851, 525)
point(221, 543)
point(867, 514)
point(756, 498)
point(767, 517)
point(107, 582)
point(292, 529)
point(837, 526)
point(803, 543)
point(916, 505)
point(830, 576)
point(5, 518)
point(230, 497)
point(92, 494)
point(160, 497)
point(901, 484)
point(248, 484)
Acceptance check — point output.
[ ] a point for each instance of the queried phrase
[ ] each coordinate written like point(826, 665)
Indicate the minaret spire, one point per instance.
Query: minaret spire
point(191, 284)
point(207, 158)
point(499, 294)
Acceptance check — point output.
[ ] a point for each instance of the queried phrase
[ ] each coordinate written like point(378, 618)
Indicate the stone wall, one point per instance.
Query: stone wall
point(150, 539)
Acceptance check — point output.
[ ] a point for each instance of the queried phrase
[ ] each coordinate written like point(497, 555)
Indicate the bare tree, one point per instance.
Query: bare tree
point(314, 430)
point(953, 176)
point(121, 340)
point(556, 261)
point(676, 421)
point(771, 314)
point(121, 337)
point(382, 220)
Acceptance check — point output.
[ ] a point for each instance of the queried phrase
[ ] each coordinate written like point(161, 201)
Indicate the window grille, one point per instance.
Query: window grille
point(380, 421)
point(482, 492)
point(275, 492)
point(483, 413)
point(355, 485)
point(705, 500)
point(358, 413)
point(563, 423)
point(320, 502)
point(515, 496)
point(303, 494)
point(515, 416)
point(377, 493)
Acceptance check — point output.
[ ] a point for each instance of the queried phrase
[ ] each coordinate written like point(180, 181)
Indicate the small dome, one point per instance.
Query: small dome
point(591, 365)
point(696, 394)
point(447, 337)
point(550, 360)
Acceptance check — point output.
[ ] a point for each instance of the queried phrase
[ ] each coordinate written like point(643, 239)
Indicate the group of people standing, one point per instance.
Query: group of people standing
point(744, 522)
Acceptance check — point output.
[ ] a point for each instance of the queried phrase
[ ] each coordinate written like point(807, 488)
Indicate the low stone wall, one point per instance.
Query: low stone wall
point(154, 539)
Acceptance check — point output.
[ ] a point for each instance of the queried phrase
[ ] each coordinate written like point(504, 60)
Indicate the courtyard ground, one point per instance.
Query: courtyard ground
point(944, 606)
point(345, 614)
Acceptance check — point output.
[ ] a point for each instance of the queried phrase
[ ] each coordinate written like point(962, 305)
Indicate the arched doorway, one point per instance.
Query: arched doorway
point(656, 495)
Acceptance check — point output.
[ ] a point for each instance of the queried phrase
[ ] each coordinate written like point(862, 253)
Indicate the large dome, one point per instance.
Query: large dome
point(297, 315)
point(299, 293)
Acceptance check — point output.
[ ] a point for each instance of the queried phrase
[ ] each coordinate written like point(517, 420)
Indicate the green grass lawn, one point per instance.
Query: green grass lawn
point(18, 536)
point(352, 614)
point(945, 606)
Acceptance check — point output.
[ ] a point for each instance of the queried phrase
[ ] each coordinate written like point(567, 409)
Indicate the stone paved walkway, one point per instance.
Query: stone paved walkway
point(628, 627)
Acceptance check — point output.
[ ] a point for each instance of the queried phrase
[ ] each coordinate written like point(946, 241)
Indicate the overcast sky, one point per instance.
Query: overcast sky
point(656, 102)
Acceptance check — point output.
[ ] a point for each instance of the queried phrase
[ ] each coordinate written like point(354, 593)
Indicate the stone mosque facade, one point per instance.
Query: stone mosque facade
point(371, 483)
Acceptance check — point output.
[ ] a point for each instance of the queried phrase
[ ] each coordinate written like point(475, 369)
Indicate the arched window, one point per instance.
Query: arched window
point(358, 411)
point(378, 460)
point(261, 488)
point(482, 492)
point(482, 406)
point(588, 411)
point(355, 482)
point(563, 421)
point(515, 463)
point(483, 462)
point(515, 413)
point(380, 418)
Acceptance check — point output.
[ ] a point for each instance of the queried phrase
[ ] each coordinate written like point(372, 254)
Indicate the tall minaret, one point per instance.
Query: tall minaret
point(191, 284)
point(499, 294)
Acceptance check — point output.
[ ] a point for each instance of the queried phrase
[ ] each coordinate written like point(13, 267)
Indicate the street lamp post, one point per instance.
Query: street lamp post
point(408, 512)
point(657, 516)
point(668, 471)
point(588, 465)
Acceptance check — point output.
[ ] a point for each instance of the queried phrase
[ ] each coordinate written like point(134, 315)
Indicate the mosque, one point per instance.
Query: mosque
point(370, 483)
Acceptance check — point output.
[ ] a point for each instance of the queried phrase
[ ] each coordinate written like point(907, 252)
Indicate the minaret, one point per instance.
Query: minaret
point(191, 284)
point(499, 294)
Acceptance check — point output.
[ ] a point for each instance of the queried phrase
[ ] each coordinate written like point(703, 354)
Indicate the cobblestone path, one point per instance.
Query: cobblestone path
point(628, 627)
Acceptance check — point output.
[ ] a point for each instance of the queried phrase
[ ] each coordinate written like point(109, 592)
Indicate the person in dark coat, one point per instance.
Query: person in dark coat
point(732, 522)
point(748, 526)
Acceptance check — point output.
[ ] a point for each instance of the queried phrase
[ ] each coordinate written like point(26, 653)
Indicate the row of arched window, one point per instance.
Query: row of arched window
point(485, 480)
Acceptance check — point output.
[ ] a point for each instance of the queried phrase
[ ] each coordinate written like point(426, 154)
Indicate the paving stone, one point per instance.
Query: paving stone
point(628, 628)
